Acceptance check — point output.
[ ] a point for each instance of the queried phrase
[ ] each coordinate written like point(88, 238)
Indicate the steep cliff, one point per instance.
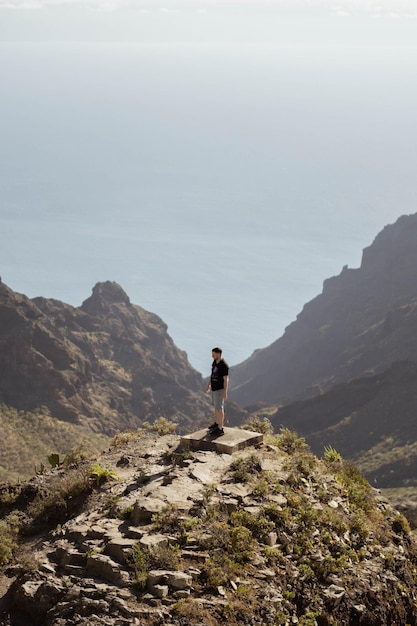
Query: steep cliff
point(364, 320)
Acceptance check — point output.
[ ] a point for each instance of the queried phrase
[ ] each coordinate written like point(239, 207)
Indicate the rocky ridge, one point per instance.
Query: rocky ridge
point(157, 536)
point(364, 320)
point(107, 365)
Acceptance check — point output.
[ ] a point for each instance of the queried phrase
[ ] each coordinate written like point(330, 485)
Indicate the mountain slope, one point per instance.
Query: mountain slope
point(371, 421)
point(106, 365)
point(364, 320)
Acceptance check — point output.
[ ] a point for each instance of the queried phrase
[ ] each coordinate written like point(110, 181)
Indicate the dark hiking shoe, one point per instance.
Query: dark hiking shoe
point(213, 426)
point(217, 432)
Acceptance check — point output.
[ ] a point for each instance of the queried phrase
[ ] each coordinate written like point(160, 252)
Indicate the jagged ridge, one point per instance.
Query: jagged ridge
point(107, 365)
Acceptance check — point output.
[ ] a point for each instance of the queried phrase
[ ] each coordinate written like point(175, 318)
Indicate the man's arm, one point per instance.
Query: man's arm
point(225, 386)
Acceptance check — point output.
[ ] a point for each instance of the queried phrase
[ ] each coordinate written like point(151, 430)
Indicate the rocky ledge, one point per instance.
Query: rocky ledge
point(152, 533)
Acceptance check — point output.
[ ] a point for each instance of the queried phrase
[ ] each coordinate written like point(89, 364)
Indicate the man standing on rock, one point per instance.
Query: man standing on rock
point(218, 384)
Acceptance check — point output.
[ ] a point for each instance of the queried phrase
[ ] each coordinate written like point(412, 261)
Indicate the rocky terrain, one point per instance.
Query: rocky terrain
point(151, 534)
point(364, 321)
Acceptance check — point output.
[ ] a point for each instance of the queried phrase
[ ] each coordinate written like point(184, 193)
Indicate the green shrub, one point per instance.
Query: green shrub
point(333, 520)
point(216, 535)
point(161, 426)
point(168, 557)
point(359, 524)
point(9, 494)
point(99, 475)
point(306, 571)
point(289, 441)
point(245, 468)
point(218, 570)
point(275, 513)
point(400, 524)
point(258, 425)
point(139, 559)
point(207, 493)
point(259, 525)
point(273, 555)
point(261, 488)
point(8, 537)
point(309, 619)
point(76, 456)
point(166, 520)
point(242, 544)
point(121, 439)
point(300, 466)
point(331, 455)
point(193, 612)
point(53, 460)
point(60, 499)
point(357, 487)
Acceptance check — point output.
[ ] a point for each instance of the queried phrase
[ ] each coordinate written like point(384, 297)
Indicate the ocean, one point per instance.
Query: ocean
point(218, 185)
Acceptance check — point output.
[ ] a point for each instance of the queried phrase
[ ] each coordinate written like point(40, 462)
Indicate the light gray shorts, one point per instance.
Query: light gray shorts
point(217, 399)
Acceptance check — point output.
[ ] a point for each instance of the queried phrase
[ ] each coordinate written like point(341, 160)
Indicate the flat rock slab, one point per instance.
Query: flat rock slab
point(234, 439)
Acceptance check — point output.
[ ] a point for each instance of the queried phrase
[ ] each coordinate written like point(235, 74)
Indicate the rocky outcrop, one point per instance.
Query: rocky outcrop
point(364, 320)
point(271, 535)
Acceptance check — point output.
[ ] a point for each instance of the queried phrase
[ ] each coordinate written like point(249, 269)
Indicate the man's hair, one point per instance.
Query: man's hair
point(217, 350)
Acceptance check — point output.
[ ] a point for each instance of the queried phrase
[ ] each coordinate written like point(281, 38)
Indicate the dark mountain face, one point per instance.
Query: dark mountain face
point(364, 320)
point(371, 421)
point(107, 365)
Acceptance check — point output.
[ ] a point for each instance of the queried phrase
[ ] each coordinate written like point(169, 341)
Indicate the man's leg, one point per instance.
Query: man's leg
point(218, 403)
point(219, 417)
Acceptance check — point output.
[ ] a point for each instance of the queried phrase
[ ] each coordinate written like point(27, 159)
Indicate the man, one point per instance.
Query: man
point(218, 384)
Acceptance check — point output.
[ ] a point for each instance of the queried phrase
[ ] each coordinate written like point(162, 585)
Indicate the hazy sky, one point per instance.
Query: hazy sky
point(316, 119)
point(364, 22)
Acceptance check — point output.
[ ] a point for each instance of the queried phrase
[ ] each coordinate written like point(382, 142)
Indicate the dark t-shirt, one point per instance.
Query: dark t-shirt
point(218, 371)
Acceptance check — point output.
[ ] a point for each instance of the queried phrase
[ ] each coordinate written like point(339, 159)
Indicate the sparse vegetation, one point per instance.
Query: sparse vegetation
point(143, 560)
point(56, 503)
point(168, 557)
point(288, 441)
point(166, 520)
point(28, 437)
point(331, 455)
point(218, 570)
point(244, 468)
point(296, 525)
point(259, 425)
point(357, 487)
point(139, 558)
point(76, 455)
point(161, 426)
point(193, 612)
point(99, 475)
point(126, 512)
point(8, 539)
point(122, 439)
point(53, 460)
